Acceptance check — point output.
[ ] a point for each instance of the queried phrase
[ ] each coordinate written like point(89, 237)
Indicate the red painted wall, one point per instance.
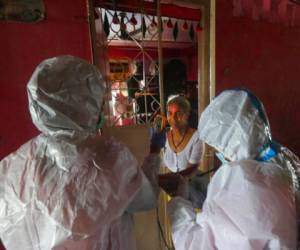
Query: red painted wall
point(263, 57)
point(22, 47)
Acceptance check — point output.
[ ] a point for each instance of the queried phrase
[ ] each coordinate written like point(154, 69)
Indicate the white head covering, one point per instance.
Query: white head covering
point(235, 124)
point(65, 94)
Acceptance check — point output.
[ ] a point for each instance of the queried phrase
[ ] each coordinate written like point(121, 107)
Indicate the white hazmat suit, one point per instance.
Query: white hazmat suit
point(250, 204)
point(68, 188)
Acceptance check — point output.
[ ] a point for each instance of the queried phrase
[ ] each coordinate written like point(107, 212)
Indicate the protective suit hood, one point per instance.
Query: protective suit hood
point(65, 94)
point(236, 124)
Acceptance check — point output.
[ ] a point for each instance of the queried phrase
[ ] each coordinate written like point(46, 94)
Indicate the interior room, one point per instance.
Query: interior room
point(147, 52)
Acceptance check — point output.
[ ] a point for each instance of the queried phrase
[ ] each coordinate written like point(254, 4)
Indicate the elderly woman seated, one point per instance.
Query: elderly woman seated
point(183, 151)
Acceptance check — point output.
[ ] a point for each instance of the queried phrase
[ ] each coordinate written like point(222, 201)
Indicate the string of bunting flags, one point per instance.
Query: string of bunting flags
point(128, 24)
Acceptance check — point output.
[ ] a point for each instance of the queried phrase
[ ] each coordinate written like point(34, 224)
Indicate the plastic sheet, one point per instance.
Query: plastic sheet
point(250, 202)
point(68, 188)
point(249, 205)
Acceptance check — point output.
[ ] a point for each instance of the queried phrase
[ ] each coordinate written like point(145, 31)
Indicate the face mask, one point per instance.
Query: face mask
point(221, 157)
point(101, 121)
point(268, 151)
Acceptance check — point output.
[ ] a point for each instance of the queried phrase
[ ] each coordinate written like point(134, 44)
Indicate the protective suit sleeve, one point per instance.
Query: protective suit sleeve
point(6, 205)
point(12, 186)
point(187, 234)
point(146, 197)
point(181, 212)
point(249, 206)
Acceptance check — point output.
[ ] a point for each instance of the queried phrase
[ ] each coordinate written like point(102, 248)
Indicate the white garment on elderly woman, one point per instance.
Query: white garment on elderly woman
point(67, 188)
point(250, 204)
point(192, 154)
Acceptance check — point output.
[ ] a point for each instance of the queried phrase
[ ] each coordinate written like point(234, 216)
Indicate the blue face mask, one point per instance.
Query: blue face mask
point(268, 151)
point(221, 157)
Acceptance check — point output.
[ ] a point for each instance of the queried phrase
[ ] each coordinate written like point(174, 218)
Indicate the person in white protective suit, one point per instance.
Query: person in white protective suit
point(69, 188)
point(250, 202)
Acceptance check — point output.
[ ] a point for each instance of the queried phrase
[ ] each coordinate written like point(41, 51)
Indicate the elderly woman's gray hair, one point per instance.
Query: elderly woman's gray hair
point(181, 102)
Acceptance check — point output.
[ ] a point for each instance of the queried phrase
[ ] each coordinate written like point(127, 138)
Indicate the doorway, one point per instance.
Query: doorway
point(150, 51)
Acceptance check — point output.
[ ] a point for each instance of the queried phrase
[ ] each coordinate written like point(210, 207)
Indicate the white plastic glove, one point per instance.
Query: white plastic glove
point(181, 212)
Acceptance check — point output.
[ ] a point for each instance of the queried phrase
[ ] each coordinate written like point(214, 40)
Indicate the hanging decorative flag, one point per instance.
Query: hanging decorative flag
point(175, 31)
point(161, 25)
point(133, 20)
point(106, 25)
point(144, 27)
point(192, 32)
point(169, 23)
point(115, 19)
point(123, 27)
point(96, 15)
point(153, 23)
point(199, 28)
point(185, 26)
